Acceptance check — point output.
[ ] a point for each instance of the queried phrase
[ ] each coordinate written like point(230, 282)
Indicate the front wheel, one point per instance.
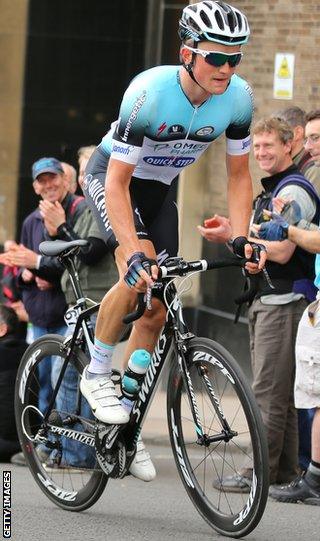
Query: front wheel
point(230, 438)
point(65, 468)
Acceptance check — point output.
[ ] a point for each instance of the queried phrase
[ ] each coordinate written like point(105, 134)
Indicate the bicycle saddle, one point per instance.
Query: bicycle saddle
point(57, 247)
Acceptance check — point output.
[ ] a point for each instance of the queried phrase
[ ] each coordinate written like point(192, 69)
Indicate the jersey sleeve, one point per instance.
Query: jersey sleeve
point(238, 131)
point(301, 196)
point(134, 117)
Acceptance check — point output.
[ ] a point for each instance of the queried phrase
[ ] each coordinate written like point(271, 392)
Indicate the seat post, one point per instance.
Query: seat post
point(68, 263)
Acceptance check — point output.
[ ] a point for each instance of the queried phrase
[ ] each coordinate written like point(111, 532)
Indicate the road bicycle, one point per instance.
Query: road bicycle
point(213, 420)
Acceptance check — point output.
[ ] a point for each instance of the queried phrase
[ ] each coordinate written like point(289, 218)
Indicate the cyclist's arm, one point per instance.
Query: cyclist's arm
point(277, 251)
point(239, 193)
point(309, 240)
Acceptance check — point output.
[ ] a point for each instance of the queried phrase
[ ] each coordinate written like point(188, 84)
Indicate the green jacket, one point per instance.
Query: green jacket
point(96, 279)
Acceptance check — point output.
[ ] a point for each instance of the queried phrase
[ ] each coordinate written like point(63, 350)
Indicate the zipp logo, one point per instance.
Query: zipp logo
point(202, 356)
point(246, 510)
point(56, 491)
point(182, 464)
point(30, 362)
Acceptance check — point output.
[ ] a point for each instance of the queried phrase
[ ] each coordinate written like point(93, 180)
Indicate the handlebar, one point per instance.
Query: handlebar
point(142, 303)
point(178, 267)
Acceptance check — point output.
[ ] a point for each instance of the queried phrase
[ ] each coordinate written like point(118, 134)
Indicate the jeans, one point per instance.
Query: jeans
point(305, 418)
point(44, 368)
point(74, 453)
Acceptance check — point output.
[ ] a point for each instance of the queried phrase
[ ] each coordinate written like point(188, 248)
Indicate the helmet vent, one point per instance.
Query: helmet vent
point(208, 4)
point(195, 26)
point(219, 20)
point(205, 19)
point(232, 21)
point(239, 21)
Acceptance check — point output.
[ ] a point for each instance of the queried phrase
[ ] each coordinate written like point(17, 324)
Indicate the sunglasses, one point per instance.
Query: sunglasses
point(217, 59)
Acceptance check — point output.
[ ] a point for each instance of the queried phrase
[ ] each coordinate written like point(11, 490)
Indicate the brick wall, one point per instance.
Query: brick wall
point(290, 26)
point(285, 26)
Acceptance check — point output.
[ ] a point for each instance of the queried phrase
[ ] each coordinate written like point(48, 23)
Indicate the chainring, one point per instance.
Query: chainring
point(110, 450)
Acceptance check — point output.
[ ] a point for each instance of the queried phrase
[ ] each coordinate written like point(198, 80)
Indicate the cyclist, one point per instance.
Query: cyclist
point(168, 117)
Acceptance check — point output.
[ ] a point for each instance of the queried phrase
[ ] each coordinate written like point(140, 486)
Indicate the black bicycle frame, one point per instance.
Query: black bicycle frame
point(174, 334)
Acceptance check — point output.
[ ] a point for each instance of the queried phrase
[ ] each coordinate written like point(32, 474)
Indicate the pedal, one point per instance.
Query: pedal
point(116, 376)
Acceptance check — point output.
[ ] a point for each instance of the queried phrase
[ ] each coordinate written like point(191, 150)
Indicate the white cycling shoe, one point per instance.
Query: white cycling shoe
point(102, 397)
point(142, 466)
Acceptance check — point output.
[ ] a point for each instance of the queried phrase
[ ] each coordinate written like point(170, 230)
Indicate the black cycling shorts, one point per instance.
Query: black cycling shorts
point(153, 205)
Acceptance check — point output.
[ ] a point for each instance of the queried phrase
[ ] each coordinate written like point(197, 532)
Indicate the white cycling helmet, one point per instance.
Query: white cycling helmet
point(214, 21)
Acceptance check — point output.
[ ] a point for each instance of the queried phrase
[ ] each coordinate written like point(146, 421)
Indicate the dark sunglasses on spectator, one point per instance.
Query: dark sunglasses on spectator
point(218, 59)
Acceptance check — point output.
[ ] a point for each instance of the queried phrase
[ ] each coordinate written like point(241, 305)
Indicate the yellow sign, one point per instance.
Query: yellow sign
point(284, 71)
point(283, 76)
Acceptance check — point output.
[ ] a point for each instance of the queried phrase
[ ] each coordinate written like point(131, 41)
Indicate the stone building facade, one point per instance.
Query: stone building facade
point(277, 26)
point(33, 33)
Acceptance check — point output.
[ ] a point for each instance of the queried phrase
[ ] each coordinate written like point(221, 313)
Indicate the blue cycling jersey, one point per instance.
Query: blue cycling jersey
point(161, 132)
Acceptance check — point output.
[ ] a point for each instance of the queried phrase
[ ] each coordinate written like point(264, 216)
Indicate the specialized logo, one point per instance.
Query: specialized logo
point(165, 161)
point(206, 130)
point(73, 435)
point(134, 113)
point(150, 374)
point(176, 128)
point(161, 128)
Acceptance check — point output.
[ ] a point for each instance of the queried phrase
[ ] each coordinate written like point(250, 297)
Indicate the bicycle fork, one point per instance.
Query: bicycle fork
point(226, 433)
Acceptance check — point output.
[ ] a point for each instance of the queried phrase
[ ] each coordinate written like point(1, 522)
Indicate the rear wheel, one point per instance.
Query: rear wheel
point(221, 391)
point(65, 469)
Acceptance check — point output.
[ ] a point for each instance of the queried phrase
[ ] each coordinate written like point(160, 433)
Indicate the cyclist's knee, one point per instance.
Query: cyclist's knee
point(153, 319)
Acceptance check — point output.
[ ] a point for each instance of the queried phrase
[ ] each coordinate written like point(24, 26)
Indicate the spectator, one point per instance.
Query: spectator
point(306, 488)
point(301, 157)
point(84, 153)
point(40, 278)
point(11, 351)
point(71, 175)
point(11, 294)
point(97, 274)
point(272, 352)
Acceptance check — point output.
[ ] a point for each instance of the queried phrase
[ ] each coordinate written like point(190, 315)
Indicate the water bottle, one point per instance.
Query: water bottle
point(133, 377)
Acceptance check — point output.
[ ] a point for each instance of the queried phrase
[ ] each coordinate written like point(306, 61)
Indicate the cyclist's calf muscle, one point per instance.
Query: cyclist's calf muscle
point(146, 330)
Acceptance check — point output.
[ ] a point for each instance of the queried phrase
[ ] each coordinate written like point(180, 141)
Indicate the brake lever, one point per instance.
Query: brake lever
point(255, 257)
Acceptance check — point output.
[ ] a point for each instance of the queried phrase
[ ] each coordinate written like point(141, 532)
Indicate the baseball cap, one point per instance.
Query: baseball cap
point(46, 165)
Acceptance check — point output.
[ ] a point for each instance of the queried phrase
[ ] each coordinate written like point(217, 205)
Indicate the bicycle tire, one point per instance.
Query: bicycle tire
point(201, 466)
point(71, 488)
